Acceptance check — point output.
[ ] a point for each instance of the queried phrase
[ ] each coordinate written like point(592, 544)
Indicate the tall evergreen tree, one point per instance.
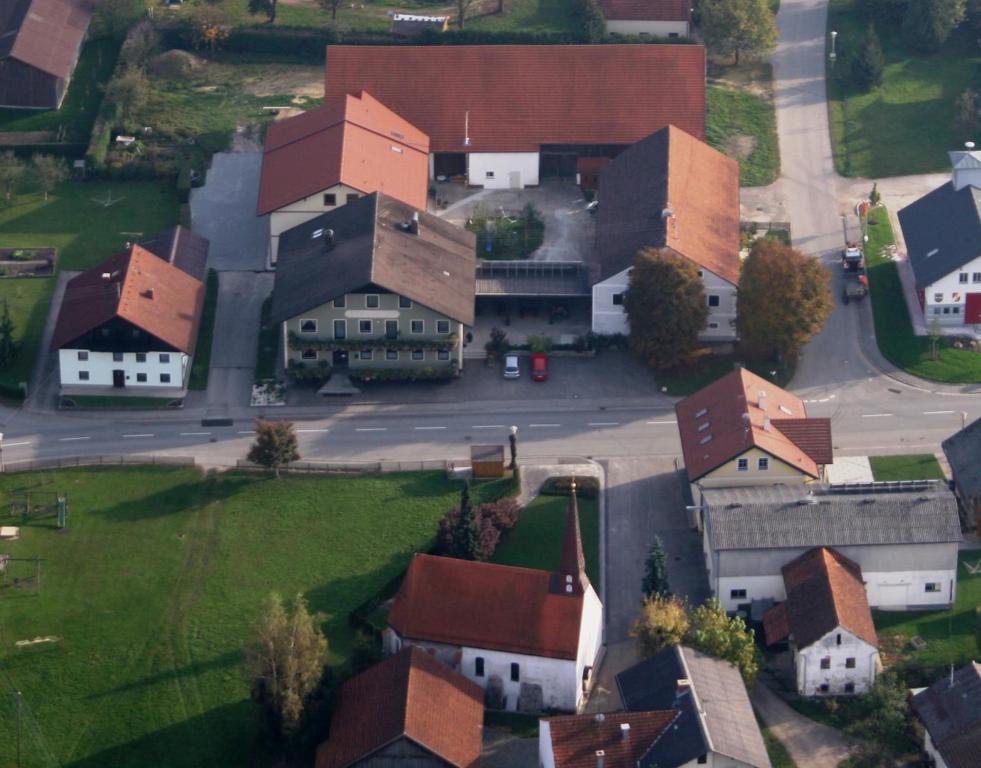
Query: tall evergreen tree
point(869, 62)
point(8, 347)
point(466, 535)
point(656, 575)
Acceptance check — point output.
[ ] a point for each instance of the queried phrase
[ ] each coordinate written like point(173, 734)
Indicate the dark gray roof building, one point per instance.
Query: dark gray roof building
point(963, 451)
point(716, 715)
point(950, 710)
point(942, 231)
point(376, 241)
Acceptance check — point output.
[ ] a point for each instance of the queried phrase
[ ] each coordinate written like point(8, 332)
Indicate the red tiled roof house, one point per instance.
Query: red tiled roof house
point(351, 146)
point(663, 18)
point(530, 638)
point(673, 192)
point(505, 116)
point(827, 620)
point(129, 325)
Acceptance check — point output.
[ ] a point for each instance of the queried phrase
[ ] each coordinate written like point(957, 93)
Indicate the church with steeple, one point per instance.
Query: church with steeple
point(531, 639)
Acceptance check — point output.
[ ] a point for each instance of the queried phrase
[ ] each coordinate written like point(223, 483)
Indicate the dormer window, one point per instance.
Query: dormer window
point(705, 440)
point(701, 413)
point(704, 426)
point(785, 409)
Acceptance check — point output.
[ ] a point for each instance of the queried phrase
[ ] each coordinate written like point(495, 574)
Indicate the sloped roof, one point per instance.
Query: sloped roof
point(182, 248)
point(736, 422)
point(353, 139)
point(141, 288)
point(715, 713)
point(497, 607)
point(514, 98)
point(942, 231)
point(669, 170)
point(576, 738)
point(962, 451)
point(960, 160)
point(775, 516)
point(44, 33)
point(435, 267)
point(825, 591)
point(951, 712)
point(411, 694)
point(646, 10)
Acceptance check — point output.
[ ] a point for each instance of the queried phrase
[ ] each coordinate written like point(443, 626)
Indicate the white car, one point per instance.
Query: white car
point(511, 369)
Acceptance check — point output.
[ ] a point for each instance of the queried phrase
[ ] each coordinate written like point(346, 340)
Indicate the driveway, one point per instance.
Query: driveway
point(811, 744)
point(223, 210)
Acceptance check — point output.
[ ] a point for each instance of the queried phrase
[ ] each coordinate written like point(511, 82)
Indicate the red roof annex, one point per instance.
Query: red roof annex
point(646, 10)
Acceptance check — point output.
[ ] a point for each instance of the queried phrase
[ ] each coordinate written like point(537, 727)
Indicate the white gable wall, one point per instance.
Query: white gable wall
point(654, 28)
point(100, 366)
point(557, 677)
point(837, 646)
point(590, 637)
point(932, 752)
point(302, 211)
point(945, 298)
point(502, 170)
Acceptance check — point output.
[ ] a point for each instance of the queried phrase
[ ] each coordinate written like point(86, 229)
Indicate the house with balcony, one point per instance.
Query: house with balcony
point(376, 289)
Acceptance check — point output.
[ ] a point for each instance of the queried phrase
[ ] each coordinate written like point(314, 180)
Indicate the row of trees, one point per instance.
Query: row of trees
point(784, 298)
point(42, 173)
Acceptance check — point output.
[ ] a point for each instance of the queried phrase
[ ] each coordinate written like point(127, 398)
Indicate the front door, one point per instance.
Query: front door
point(340, 358)
point(972, 309)
point(119, 379)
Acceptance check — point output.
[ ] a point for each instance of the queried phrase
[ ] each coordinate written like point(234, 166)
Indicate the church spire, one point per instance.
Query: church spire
point(572, 568)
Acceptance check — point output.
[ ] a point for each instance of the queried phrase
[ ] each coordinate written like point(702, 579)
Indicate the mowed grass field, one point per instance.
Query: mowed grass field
point(744, 126)
point(152, 590)
point(913, 466)
point(28, 299)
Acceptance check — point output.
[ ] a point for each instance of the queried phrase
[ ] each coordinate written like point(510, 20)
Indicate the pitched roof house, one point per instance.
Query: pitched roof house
point(664, 18)
point(827, 619)
point(714, 718)
point(351, 146)
point(412, 24)
point(410, 708)
point(942, 231)
point(744, 430)
point(962, 451)
point(668, 191)
point(375, 275)
point(131, 322)
point(529, 637)
point(904, 538)
point(619, 740)
point(573, 99)
point(40, 41)
point(950, 711)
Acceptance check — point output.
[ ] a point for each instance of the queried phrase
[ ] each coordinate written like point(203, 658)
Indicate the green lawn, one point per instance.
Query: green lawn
point(907, 124)
point(265, 360)
point(893, 330)
point(154, 586)
point(28, 299)
point(708, 368)
point(536, 541)
point(78, 110)
point(202, 351)
point(916, 466)
point(949, 635)
point(743, 125)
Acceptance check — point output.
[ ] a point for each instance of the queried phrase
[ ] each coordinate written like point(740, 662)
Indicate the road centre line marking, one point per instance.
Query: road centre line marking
point(68, 439)
point(429, 427)
point(371, 429)
point(875, 415)
point(604, 424)
point(544, 425)
point(936, 413)
point(309, 430)
point(193, 434)
point(487, 426)
point(14, 445)
point(662, 422)
point(247, 432)
point(143, 434)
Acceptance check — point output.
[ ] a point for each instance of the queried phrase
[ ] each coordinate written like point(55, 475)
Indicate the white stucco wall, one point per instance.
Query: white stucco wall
point(964, 176)
point(907, 589)
point(508, 170)
point(757, 588)
point(810, 676)
point(557, 677)
point(302, 211)
point(953, 294)
point(546, 757)
point(931, 750)
point(100, 366)
point(609, 318)
point(590, 637)
point(655, 28)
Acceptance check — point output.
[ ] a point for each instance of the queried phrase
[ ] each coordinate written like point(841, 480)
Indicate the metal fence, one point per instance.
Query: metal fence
point(99, 461)
point(356, 467)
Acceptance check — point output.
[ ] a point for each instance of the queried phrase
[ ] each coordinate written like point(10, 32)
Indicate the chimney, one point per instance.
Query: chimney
point(414, 224)
point(148, 293)
point(682, 687)
point(128, 246)
point(107, 276)
point(600, 758)
point(625, 731)
point(761, 400)
point(328, 239)
point(766, 423)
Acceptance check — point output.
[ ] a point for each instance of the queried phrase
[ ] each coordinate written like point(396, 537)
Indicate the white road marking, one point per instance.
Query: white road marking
point(14, 445)
point(193, 434)
point(604, 424)
point(662, 422)
point(309, 430)
point(487, 426)
point(936, 413)
point(875, 415)
point(371, 429)
point(420, 428)
point(68, 439)
point(544, 425)
point(247, 432)
point(144, 434)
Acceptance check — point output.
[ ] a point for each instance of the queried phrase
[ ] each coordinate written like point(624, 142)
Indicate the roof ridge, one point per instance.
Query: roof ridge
point(699, 713)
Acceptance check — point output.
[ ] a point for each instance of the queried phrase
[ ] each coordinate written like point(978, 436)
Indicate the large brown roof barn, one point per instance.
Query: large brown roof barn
point(39, 45)
point(516, 98)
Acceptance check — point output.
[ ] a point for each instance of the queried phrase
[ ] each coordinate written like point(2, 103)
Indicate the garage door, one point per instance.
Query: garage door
point(892, 595)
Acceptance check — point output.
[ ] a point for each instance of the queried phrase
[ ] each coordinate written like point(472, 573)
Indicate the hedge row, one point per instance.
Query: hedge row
point(368, 375)
point(586, 487)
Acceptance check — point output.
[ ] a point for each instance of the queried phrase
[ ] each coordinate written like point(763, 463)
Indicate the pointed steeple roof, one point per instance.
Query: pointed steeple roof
point(571, 578)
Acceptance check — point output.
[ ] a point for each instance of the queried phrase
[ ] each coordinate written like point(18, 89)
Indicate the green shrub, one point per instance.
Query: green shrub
point(98, 148)
point(368, 375)
point(586, 487)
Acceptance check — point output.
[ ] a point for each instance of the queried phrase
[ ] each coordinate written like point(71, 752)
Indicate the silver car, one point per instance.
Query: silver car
point(511, 369)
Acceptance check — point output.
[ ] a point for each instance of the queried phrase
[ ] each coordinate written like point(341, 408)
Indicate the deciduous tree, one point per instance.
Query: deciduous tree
point(275, 444)
point(590, 20)
point(967, 110)
point(928, 23)
point(868, 63)
point(128, 94)
point(285, 660)
point(11, 174)
point(207, 26)
point(462, 7)
point(113, 17)
point(784, 299)
point(267, 7)
point(663, 622)
point(656, 570)
point(8, 347)
point(665, 303)
point(332, 6)
point(738, 27)
point(49, 172)
point(714, 633)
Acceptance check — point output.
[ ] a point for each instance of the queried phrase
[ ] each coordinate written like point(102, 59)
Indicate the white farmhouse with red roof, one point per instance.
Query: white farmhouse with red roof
point(661, 18)
point(530, 638)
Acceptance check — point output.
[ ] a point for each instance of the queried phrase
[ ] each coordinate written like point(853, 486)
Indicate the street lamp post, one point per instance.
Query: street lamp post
point(833, 55)
point(1, 452)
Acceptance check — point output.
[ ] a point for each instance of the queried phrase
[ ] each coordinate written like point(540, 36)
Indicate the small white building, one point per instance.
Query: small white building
point(675, 193)
point(529, 638)
point(656, 18)
point(950, 711)
point(828, 624)
point(129, 326)
point(942, 231)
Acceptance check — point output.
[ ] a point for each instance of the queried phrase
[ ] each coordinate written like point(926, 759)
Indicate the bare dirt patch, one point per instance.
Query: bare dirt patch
point(740, 146)
point(276, 80)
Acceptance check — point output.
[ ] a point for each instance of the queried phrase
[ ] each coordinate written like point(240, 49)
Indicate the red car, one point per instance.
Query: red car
point(539, 366)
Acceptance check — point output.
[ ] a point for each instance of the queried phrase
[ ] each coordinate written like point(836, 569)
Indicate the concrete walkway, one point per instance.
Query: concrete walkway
point(811, 744)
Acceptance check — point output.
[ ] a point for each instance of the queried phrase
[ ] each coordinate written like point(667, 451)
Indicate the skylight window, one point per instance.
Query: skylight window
point(785, 409)
point(703, 427)
point(317, 233)
point(705, 440)
point(701, 413)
